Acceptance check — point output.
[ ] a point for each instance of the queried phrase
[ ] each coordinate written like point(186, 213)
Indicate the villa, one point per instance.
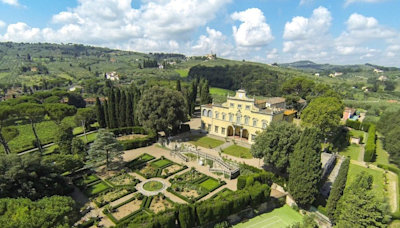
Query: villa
point(242, 117)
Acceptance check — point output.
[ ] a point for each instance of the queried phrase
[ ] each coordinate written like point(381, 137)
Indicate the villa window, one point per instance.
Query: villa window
point(230, 117)
point(253, 138)
point(204, 112)
point(246, 120)
point(209, 128)
point(223, 131)
point(247, 107)
point(254, 122)
point(239, 106)
point(238, 120)
point(210, 113)
point(223, 116)
point(216, 129)
point(216, 115)
point(232, 105)
point(264, 124)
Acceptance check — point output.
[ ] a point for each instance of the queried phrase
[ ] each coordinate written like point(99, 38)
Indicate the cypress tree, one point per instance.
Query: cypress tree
point(305, 168)
point(129, 110)
point(189, 101)
point(194, 88)
point(122, 110)
point(205, 97)
point(136, 98)
point(117, 103)
point(100, 113)
point(178, 85)
point(111, 110)
point(337, 189)
point(106, 116)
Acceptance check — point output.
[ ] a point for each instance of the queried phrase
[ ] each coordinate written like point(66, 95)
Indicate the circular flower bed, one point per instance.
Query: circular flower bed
point(153, 186)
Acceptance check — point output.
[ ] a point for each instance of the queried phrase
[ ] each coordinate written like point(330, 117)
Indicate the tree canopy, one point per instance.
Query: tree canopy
point(305, 168)
point(276, 144)
point(161, 108)
point(105, 148)
point(323, 113)
point(57, 112)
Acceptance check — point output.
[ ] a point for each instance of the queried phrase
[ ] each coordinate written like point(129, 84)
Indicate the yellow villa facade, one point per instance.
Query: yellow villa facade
point(241, 117)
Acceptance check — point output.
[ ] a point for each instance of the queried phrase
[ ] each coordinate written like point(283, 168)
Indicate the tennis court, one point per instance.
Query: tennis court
point(278, 218)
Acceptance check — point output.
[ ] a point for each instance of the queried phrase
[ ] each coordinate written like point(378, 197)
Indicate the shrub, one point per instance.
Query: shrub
point(241, 182)
point(371, 145)
point(249, 181)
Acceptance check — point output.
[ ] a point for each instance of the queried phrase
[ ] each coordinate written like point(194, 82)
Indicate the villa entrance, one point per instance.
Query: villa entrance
point(230, 131)
point(245, 135)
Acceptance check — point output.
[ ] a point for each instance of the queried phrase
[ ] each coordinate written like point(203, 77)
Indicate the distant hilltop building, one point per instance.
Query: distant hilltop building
point(113, 76)
point(241, 117)
point(378, 71)
point(336, 74)
point(382, 78)
point(211, 56)
point(316, 74)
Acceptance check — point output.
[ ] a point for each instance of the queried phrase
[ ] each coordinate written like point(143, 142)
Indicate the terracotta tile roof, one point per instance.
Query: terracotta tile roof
point(275, 100)
point(289, 112)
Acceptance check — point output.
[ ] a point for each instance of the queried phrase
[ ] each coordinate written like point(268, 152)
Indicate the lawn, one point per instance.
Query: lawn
point(183, 73)
point(153, 186)
point(354, 170)
point(353, 151)
point(357, 133)
point(219, 91)
point(140, 160)
point(50, 149)
point(161, 163)
point(96, 188)
point(205, 142)
point(91, 137)
point(278, 218)
point(238, 151)
point(209, 184)
point(382, 157)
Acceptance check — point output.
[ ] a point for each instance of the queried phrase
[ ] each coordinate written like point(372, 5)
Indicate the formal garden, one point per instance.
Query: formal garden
point(161, 167)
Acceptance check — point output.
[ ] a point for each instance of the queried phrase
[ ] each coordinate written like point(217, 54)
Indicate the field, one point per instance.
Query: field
point(382, 157)
point(278, 218)
point(219, 91)
point(183, 73)
point(353, 151)
point(238, 151)
point(205, 142)
point(377, 186)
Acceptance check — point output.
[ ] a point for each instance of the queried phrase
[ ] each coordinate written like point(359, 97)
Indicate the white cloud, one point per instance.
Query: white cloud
point(215, 42)
point(273, 54)
point(348, 2)
point(11, 2)
point(254, 31)
point(361, 29)
point(2, 24)
point(21, 32)
point(308, 35)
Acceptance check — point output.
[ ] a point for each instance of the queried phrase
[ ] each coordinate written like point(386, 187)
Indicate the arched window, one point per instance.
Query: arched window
point(223, 116)
point(230, 117)
point(216, 115)
point(246, 120)
point(210, 113)
point(255, 122)
point(205, 112)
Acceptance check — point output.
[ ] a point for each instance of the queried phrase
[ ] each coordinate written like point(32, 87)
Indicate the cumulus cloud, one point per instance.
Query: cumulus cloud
point(254, 31)
point(115, 23)
point(348, 2)
point(11, 2)
point(214, 42)
point(308, 35)
point(361, 29)
point(2, 24)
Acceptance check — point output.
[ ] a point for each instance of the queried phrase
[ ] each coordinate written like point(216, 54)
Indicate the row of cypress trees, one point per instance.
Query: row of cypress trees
point(118, 110)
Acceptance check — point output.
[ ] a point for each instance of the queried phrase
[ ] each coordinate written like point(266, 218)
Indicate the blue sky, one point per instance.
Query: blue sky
point(324, 31)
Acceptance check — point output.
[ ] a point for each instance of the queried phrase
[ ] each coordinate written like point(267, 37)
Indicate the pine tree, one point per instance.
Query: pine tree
point(337, 189)
point(178, 85)
point(100, 114)
point(106, 116)
point(129, 110)
point(111, 110)
point(105, 148)
point(205, 97)
point(305, 168)
point(122, 110)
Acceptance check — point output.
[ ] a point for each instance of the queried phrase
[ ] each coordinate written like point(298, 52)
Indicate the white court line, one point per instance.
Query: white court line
point(283, 221)
point(263, 221)
point(270, 224)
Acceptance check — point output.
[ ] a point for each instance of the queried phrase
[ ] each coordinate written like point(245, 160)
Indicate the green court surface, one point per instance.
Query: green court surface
point(278, 218)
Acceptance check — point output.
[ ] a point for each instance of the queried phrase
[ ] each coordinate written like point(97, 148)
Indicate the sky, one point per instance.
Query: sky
point(268, 31)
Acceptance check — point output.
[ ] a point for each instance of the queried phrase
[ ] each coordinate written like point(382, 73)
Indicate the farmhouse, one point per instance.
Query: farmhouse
point(242, 117)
